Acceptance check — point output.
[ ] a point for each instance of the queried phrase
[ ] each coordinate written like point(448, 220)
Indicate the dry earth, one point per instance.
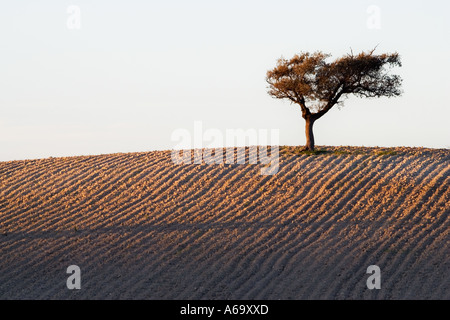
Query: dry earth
point(141, 227)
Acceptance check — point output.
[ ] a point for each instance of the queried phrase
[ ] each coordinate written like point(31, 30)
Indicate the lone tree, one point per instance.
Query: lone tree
point(317, 85)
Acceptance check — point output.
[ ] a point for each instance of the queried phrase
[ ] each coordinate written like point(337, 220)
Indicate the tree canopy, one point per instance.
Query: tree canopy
point(317, 85)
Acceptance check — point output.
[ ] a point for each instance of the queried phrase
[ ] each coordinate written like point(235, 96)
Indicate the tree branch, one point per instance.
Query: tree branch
point(335, 98)
point(301, 101)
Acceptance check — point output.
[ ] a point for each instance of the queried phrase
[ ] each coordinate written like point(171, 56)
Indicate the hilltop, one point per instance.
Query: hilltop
point(141, 227)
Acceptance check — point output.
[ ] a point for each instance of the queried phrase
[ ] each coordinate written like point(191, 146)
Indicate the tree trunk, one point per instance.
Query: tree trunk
point(309, 134)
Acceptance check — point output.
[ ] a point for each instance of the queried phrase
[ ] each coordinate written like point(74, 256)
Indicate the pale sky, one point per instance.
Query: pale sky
point(136, 71)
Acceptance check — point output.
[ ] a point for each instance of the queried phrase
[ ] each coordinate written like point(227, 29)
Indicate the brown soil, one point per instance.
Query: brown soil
point(140, 227)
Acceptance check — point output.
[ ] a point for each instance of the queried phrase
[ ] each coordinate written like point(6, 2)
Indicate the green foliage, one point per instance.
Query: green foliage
point(314, 152)
point(341, 152)
point(302, 151)
point(387, 153)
